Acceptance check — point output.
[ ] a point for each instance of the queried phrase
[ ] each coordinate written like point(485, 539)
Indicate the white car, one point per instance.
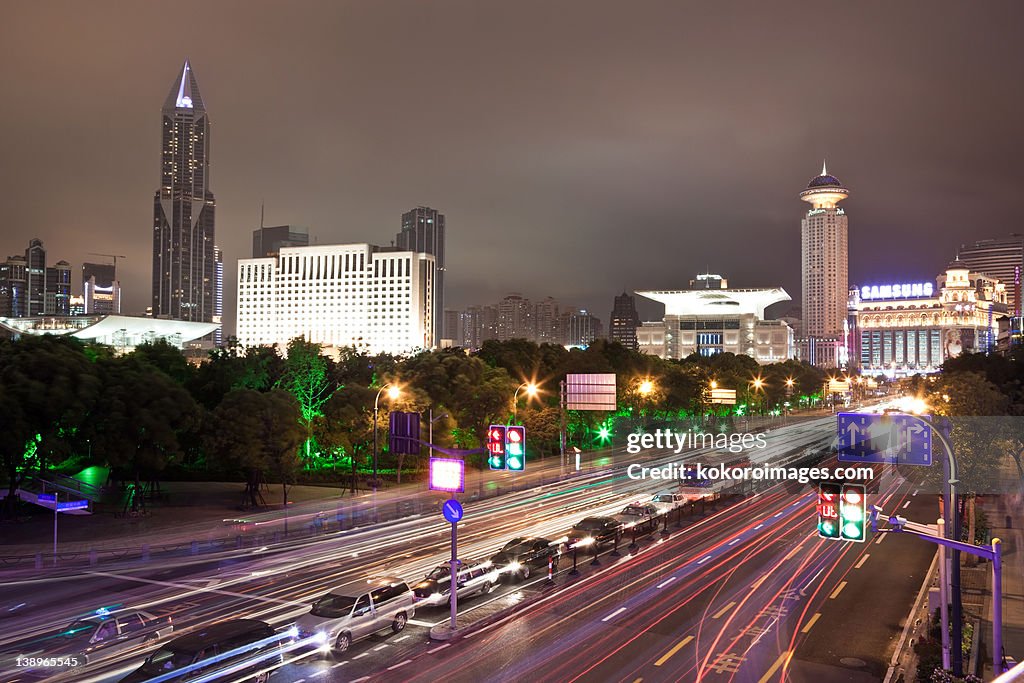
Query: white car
point(666, 501)
point(355, 611)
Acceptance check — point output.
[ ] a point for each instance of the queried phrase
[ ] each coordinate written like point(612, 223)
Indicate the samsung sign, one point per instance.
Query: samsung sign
point(900, 291)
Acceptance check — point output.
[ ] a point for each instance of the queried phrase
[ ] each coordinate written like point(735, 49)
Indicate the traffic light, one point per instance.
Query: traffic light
point(851, 512)
point(496, 447)
point(828, 510)
point(515, 447)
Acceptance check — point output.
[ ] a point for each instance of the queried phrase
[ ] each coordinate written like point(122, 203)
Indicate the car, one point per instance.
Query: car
point(355, 611)
point(602, 530)
point(436, 586)
point(666, 501)
point(641, 517)
point(101, 634)
point(236, 649)
point(522, 556)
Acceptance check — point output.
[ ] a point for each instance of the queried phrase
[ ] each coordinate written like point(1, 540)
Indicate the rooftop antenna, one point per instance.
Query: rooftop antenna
point(261, 214)
point(823, 170)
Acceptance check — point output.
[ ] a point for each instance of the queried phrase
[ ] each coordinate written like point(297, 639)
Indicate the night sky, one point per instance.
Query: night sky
point(577, 148)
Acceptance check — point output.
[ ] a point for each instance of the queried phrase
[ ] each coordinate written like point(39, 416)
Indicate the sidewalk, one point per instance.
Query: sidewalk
point(1006, 520)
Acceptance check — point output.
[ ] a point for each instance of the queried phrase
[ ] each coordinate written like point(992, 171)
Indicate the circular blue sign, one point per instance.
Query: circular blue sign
point(452, 510)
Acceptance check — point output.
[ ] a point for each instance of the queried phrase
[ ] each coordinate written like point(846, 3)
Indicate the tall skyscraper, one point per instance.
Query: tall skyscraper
point(184, 264)
point(267, 241)
point(100, 289)
point(423, 233)
point(824, 275)
point(218, 294)
point(624, 321)
point(35, 276)
point(546, 321)
point(515, 318)
point(57, 299)
point(1001, 258)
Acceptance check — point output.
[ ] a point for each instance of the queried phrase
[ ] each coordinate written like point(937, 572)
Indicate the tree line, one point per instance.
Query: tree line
point(266, 417)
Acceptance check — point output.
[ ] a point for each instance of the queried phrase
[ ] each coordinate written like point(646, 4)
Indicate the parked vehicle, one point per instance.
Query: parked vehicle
point(523, 556)
point(436, 587)
point(355, 611)
point(601, 530)
point(101, 634)
point(238, 649)
point(641, 517)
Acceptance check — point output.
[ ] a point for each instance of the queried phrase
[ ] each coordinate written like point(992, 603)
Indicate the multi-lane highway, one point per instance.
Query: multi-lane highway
point(742, 592)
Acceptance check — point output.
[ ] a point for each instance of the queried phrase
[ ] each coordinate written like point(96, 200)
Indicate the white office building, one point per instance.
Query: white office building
point(378, 300)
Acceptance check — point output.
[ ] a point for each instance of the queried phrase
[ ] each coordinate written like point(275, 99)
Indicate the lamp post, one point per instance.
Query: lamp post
point(393, 392)
point(531, 390)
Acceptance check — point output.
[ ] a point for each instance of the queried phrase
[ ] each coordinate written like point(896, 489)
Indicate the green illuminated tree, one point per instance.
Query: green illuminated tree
point(47, 388)
point(307, 377)
point(344, 429)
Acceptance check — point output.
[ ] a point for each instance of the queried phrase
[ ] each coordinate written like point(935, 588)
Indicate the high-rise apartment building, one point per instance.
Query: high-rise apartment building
point(824, 275)
point(423, 232)
point(546, 322)
point(377, 300)
point(515, 318)
point(624, 321)
point(218, 295)
point(29, 288)
point(269, 241)
point(479, 323)
point(579, 328)
point(1001, 258)
point(101, 290)
point(184, 261)
point(453, 328)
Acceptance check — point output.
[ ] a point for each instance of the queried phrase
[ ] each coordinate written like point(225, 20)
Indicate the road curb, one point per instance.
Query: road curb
point(910, 625)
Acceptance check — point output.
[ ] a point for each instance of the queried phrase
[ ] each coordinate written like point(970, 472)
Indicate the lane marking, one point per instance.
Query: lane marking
point(380, 647)
point(914, 493)
point(733, 541)
point(777, 514)
point(862, 561)
point(666, 582)
point(719, 613)
point(395, 666)
point(398, 640)
point(335, 666)
point(810, 624)
point(438, 648)
point(360, 656)
point(424, 624)
point(758, 527)
point(704, 559)
point(360, 680)
point(784, 657)
point(837, 591)
point(758, 582)
point(881, 537)
point(906, 505)
point(676, 648)
point(638, 680)
point(614, 614)
point(794, 505)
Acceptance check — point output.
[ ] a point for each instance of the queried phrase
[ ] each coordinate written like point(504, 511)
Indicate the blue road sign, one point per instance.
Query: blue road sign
point(452, 510)
point(47, 498)
point(893, 438)
point(72, 505)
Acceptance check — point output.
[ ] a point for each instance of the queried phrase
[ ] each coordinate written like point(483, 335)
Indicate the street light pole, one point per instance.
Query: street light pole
point(531, 390)
point(393, 394)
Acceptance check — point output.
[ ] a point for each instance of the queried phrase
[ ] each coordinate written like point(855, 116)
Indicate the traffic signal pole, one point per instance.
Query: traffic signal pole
point(993, 553)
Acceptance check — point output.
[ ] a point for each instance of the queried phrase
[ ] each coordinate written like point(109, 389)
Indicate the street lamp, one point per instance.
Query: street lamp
point(393, 392)
point(646, 387)
point(531, 390)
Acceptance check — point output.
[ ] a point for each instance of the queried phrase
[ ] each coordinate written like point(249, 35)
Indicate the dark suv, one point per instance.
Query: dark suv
point(602, 530)
point(522, 556)
point(239, 649)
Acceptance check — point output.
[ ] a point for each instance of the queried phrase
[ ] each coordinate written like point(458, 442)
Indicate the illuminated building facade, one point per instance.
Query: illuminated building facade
point(184, 261)
point(824, 257)
point(624, 321)
point(1001, 258)
point(905, 329)
point(101, 291)
point(712, 321)
point(377, 300)
point(423, 233)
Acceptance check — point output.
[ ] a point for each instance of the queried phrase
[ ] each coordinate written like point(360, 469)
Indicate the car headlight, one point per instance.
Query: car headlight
point(514, 566)
point(292, 632)
point(320, 639)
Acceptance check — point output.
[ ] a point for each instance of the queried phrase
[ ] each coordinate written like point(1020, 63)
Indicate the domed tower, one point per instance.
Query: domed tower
point(824, 258)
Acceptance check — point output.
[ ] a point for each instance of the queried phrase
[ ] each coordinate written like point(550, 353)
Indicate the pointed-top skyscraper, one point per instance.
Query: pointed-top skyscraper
point(184, 265)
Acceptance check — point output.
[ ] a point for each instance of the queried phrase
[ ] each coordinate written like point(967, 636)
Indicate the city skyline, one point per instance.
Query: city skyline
point(656, 164)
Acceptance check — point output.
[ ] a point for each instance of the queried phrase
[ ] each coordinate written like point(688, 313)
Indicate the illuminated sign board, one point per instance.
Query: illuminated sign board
point(904, 290)
point(447, 474)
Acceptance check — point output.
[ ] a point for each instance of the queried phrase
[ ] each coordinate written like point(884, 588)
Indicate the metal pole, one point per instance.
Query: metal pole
point(943, 597)
point(56, 500)
point(375, 440)
point(561, 423)
point(430, 430)
point(997, 605)
point(455, 581)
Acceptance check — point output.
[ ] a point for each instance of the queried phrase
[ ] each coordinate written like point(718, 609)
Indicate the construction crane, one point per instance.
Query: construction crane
point(113, 256)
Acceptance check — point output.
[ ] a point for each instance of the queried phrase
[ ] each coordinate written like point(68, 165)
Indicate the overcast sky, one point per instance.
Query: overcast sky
point(598, 145)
